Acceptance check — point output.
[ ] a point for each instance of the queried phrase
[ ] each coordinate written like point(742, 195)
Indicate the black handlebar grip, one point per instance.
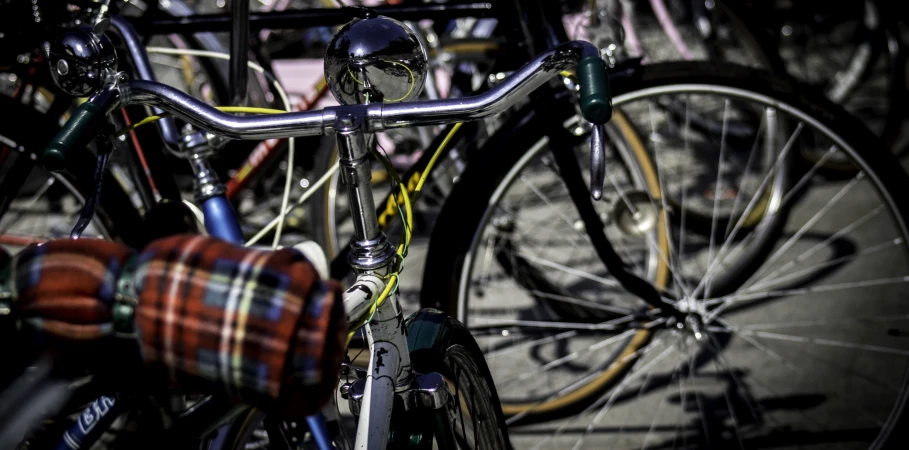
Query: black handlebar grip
point(596, 102)
point(75, 135)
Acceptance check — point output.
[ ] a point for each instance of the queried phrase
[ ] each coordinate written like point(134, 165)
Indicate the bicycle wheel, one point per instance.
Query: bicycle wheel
point(472, 418)
point(821, 307)
point(852, 53)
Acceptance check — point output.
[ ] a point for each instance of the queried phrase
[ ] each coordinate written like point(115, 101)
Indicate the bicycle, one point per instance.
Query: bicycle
point(376, 261)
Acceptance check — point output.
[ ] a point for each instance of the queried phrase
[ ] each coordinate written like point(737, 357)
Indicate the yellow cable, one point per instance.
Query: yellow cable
point(250, 110)
point(435, 156)
point(405, 198)
point(353, 76)
point(392, 284)
point(402, 248)
point(413, 82)
point(228, 109)
point(408, 212)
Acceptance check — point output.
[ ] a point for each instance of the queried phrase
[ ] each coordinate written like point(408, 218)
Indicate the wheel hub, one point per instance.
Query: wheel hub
point(695, 318)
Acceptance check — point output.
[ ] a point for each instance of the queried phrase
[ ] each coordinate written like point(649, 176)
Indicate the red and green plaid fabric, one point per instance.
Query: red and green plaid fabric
point(64, 290)
point(256, 324)
point(211, 317)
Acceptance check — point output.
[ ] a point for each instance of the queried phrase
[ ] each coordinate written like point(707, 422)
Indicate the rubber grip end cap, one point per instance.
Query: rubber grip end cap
point(595, 99)
point(75, 135)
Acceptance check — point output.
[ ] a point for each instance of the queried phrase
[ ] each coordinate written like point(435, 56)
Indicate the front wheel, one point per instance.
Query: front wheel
point(472, 418)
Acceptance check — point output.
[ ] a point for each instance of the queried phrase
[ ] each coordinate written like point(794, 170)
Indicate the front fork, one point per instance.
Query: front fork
point(390, 374)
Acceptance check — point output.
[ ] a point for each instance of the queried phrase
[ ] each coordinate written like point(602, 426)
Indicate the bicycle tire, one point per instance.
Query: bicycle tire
point(441, 344)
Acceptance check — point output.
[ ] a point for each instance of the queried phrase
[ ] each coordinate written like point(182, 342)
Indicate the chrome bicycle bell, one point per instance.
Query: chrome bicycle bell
point(375, 59)
point(81, 60)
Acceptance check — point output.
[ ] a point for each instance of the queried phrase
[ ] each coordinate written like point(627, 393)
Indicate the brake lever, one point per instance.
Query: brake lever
point(597, 160)
point(105, 148)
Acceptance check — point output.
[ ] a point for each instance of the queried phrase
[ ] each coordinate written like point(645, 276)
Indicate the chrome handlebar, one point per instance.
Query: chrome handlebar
point(377, 116)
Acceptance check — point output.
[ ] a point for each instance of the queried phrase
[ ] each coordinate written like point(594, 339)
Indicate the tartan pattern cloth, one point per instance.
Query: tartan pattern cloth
point(256, 325)
point(64, 289)
point(211, 317)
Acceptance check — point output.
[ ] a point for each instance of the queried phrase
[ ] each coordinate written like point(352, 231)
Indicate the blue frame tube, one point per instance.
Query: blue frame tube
point(221, 219)
point(92, 422)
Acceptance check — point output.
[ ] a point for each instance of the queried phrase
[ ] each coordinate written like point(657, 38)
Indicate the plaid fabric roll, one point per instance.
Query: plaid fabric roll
point(64, 290)
point(256, 325)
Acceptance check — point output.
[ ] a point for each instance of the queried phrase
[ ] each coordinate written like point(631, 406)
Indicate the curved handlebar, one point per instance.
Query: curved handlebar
point(381, 116)
point(595, 102)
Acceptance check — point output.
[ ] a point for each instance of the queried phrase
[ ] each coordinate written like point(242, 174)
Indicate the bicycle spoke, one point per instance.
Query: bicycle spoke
point(821, 245)
point(31, 202)
point(751, 155)
point(821, 323)
point(533, 343)
point(567, 358)
point(808, 176)
point(751, 204)
point(683, 399)
point(811, 222)
point(581, 302)
point(819, 341)
point(636, 355)
point(836, 261)
point(559, 213)
point(485, 323)
point(855, 375)
point(663, 212)
point(487, 258)
point(686, 138)
point(676, 373)
point(736, 298)
point(732, 415)
point(774, 393)
point(650, 242)
point(570, 270)
point(739, 383)
point(609, 401)
point(716, 196)
point(758, 345)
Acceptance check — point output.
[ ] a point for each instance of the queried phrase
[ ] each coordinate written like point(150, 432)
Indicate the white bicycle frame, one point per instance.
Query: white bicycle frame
point(389, 369)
